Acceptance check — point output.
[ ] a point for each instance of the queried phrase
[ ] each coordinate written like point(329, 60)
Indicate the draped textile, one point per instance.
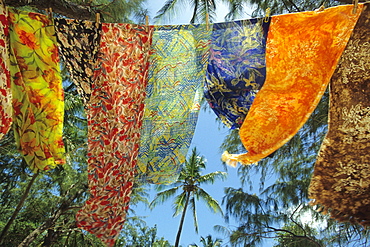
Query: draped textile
point(114, 120)
point(176, 71)
point(79, 46)
point(341, 179)
point(302, 52)
point(5, 92)
point(38, 97)
point(236, 68)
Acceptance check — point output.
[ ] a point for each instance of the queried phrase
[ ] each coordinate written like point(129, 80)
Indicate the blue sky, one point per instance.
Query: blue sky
point(208, 137)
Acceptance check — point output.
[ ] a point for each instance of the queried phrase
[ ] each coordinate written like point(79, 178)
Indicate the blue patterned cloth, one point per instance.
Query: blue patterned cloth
point(176, 73)
point(236, 68)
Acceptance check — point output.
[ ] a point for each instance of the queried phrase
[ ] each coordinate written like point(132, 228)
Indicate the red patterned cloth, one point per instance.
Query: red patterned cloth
point(114, 121)
point(5, 93)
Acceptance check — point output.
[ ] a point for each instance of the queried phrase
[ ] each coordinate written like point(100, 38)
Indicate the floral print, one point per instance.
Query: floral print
point(38, 99)
point(176, 73)
point(79, 46)
point(236, 68)
point(340, 184)
point(5, 92)
point(301, 56)
point(115, 116)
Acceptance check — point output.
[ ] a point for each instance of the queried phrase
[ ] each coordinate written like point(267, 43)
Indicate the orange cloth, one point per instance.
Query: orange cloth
point(302, 52)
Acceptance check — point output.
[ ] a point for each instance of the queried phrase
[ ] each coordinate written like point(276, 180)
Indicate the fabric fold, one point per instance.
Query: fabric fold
point(340, 183)
point(38, 96)
point(79, 42)
point(176, 73)
point(302, 52)
point(5, 91)
point(115, 114)
point(236, 68)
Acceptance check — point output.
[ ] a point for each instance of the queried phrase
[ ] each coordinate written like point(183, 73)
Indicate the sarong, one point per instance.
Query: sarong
point(341, 181)
point(176, 74)
point(302, 52)
point(38, 96)
point(79, 46)
point(115, 116)
point(5, 92)
point(236, 68)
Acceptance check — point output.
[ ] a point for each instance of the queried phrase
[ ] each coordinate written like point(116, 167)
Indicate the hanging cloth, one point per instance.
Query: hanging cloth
point(302, 52)
point(38, 97)
point(5, 92)
point(114, 120)
point(341, 179)
point(176, 74)
point(79, 46)
point(236, 68)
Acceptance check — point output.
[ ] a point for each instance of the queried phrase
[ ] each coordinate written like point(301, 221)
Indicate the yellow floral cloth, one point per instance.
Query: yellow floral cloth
point(5, 93)
point(302, 52)
point(38, 99)
point(341, 181)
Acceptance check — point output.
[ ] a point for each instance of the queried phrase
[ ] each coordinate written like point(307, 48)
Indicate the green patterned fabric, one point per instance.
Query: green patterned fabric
point(176, 72)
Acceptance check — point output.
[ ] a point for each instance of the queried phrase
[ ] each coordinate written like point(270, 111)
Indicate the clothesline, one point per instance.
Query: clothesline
point(49, 13)
point(141, 86)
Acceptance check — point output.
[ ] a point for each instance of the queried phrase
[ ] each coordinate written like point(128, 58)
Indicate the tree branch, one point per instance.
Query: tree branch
point(19, 206)
point(299, 225)
point(295, 235)
point(64, 206)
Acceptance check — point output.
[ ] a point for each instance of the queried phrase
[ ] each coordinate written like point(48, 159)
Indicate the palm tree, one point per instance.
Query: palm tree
point(237, 8)
point(208, 242)
point(190, 181)
point(201, 8)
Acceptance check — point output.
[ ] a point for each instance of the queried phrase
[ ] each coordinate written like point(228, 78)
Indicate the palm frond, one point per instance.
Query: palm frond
point(210, 178)
point(161, 197)
point(210, 202)
point(194, 212)
point(179, 203)
point(168, 11)
point(206, 7)
point(236, 9)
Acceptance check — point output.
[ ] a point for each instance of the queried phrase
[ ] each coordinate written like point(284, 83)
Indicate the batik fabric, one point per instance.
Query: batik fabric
point(341, 181)
point(79, 47)
point(176, 74)
point(236, 68)
point(38, 99)
point(115, 116)
point(302, 52)
point(5, 92)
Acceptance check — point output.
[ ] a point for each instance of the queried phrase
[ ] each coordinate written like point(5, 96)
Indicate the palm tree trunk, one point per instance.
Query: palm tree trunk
point(182, 219)
point(18, 208)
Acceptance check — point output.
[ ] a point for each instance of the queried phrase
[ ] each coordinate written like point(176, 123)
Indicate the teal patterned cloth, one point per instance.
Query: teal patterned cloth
point(176, 74)
point(236, 69)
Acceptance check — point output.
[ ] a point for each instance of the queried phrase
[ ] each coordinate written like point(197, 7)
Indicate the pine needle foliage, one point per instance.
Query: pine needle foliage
point(278, 207)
